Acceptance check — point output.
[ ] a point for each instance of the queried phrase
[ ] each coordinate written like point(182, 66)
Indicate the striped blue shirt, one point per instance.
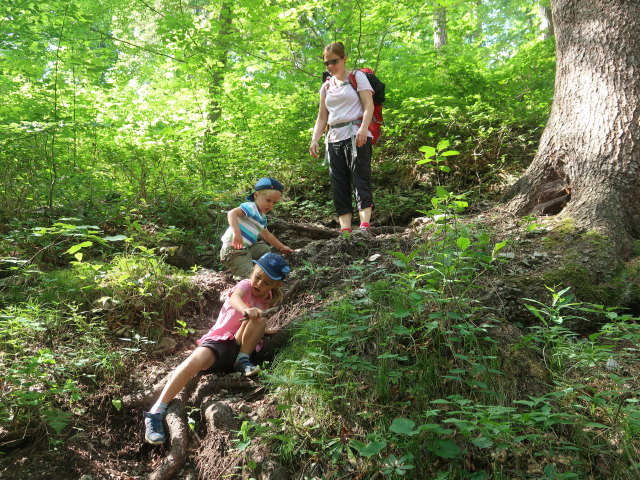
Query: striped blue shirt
point(251, 225)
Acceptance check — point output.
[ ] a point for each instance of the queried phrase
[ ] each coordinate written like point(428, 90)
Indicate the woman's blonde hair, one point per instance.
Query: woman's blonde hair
point(335, 47)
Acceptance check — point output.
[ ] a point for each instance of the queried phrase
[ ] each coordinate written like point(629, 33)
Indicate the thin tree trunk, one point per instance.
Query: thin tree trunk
point(546, 21)
point(439, 27)
point(54, 163)
point(217, 71)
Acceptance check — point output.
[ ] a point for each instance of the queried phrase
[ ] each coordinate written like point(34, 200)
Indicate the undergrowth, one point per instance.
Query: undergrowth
point(408, 379)
point(66, 333)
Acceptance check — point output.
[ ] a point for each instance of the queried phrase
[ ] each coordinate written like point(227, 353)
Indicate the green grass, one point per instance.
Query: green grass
point(409, 380)
point(76, 330)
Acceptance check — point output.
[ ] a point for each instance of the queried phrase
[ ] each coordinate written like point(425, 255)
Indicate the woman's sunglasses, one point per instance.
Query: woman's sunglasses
point(332, 62)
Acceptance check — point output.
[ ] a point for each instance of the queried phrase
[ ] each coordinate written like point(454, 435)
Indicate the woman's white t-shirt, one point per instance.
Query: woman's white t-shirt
point(344, 105)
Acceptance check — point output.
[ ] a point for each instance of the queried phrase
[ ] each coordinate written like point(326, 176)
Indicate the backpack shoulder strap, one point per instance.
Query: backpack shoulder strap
point(353, 80)
point(325, 85)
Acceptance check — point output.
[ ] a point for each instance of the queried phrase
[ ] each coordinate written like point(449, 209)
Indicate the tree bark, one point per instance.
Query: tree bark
point(217, 70)
point(587, 165)
point(546, 21)
point(439, 27)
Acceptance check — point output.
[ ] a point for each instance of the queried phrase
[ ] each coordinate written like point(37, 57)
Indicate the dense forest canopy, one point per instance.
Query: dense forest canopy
point(161, 100)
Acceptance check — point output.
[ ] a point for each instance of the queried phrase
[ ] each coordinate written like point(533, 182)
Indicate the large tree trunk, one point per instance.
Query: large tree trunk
point(588, 162)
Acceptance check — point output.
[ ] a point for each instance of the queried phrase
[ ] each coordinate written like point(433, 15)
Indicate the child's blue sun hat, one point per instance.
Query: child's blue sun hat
point(267, 183)
point(274, 265)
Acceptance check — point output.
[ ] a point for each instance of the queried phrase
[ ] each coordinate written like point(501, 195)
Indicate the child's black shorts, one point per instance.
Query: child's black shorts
point(226, 352)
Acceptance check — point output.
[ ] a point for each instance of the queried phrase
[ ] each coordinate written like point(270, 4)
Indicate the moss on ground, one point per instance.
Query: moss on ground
point(591, 266)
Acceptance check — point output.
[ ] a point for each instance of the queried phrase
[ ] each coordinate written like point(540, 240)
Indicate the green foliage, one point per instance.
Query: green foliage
point(414, 371)
point(47, 357)
point(105, 106)
point(58, 344)
point(123, 131)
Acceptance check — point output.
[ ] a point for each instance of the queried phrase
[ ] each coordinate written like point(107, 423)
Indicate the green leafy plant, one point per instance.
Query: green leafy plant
point(437, 155)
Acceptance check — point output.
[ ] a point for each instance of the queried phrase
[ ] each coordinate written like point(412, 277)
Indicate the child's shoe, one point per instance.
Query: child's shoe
point(154, 428)
point(247, 368)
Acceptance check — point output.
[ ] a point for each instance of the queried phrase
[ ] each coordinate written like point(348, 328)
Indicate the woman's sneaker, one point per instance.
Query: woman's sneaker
point(154, 428)
point(247, 368)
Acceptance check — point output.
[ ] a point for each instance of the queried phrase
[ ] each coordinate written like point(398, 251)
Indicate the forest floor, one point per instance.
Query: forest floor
point(109, 444)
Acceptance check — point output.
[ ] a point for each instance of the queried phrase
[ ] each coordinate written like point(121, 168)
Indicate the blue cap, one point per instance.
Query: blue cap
point(266, 183)
point(274, 265)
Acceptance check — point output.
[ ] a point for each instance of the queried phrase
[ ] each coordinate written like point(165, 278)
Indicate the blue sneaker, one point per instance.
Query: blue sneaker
point(154, 428)
point(247, 368)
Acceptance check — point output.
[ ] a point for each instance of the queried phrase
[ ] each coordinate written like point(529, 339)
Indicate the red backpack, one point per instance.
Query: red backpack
point(378, 99)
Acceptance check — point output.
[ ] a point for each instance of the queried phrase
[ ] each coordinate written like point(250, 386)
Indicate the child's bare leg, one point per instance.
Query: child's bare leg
point(250, 333)
point(202, 358)
point(248, 336)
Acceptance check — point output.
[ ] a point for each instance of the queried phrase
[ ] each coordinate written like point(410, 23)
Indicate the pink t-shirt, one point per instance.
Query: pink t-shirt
point(229, 319)
point(344, 105)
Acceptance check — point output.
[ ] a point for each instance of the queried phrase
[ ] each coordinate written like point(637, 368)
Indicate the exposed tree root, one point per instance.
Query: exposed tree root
point(214, 385)
point(315, 232)
point(145, 397)
point(19, 436)
point(179, 434)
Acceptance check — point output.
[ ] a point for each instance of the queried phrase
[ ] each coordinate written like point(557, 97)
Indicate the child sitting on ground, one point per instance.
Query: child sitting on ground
point(246, 223)
point(237, 332)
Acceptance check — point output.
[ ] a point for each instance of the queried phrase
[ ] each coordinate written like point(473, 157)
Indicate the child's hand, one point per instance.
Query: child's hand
point(237, 242)
point(286, 249)
point(252, 313)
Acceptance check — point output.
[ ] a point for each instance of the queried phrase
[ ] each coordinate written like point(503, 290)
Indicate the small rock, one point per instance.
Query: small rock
point(79, 438)
point(220, 416)
point(374, 257)
point(271, 470)
point(166, 346)
point(612, 364)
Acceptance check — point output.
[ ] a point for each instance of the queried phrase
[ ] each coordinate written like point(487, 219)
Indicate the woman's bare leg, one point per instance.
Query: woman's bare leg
point(365, 215)
point(345, 221)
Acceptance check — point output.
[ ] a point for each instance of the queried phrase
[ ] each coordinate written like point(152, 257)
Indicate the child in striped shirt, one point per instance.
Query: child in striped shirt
point(247, 223)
